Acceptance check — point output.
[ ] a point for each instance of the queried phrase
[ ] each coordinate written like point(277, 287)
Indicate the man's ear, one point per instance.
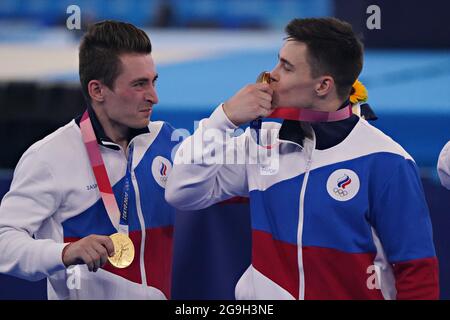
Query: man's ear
point(324, 86)
point(96, 90)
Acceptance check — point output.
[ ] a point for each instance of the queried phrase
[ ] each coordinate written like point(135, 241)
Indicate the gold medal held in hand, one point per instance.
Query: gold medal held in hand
point(123, 251)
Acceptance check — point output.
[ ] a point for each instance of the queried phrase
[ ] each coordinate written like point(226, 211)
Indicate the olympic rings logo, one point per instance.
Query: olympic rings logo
point(343, 184)
point(340, 192)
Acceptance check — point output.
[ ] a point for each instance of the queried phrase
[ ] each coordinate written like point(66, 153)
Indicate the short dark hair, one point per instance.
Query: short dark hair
point(333, 49)
point(101, 47)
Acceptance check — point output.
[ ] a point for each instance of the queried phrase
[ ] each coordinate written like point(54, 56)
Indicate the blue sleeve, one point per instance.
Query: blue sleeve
point(400, 216)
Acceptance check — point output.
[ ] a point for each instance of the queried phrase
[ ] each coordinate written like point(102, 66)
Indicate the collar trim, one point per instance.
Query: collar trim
point(102, 138)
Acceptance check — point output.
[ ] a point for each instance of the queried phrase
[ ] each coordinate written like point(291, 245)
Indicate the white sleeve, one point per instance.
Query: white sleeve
point(209, 166)
point(33, 197)
point(444, 166)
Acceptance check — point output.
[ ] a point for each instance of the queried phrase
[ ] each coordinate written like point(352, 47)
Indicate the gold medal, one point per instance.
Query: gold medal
point(123, 251)
point(264, 77)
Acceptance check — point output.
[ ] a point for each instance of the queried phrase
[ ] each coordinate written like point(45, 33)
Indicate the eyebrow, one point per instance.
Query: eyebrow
point(144, 79)
point(285, 61)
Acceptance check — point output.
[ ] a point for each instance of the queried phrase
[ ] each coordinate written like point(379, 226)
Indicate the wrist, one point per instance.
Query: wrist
point(229, 115)
point(64, 253)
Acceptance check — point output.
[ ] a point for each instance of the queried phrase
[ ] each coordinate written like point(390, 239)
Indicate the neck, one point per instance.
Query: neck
point(328, 105)
point(116, 132)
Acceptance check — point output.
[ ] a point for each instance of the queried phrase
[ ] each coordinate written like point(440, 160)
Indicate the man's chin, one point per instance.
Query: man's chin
point(141, 124)
point(146, 122)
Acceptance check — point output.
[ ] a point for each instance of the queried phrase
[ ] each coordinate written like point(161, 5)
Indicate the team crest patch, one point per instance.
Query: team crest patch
point(343, 184)
point(160, 170)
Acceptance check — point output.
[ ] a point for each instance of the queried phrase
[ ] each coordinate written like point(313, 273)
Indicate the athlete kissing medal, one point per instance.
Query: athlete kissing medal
point(299, 114)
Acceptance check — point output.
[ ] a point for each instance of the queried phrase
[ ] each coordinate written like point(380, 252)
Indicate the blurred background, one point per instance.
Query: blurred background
point(206, 50)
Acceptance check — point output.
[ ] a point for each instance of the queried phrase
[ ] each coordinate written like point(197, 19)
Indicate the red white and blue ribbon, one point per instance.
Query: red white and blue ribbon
point(309, 115)
point(300, 114)
point(101, 176)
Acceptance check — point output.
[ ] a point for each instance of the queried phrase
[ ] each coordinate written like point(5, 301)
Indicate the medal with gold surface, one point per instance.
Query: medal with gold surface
point(123, 251)
point(264, 77)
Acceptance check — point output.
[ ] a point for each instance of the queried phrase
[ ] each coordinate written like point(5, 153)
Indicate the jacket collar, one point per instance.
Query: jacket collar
point(328, 134)
point(100, 134)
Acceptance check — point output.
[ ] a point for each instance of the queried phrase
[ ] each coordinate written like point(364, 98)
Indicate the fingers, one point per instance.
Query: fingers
point(264, 87)
point(102, 252)
point(251, 102)
point(265, 112)
point(87, 259)
point(265, 104)
point(264, 96)
point(94, 262)
point(108, 244)
point(98, 251)
point(92, 251)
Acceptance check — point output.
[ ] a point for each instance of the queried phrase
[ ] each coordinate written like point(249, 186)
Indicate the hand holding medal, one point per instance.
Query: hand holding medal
point(93, 251)
point(251, 102)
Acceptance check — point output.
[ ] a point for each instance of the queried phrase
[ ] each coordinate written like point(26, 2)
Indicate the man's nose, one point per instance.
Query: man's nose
point(151, 95)
point(274, 75)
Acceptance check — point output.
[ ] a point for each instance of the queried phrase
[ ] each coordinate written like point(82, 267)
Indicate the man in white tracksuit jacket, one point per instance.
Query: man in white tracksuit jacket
point(337, 207)
point(54, 195)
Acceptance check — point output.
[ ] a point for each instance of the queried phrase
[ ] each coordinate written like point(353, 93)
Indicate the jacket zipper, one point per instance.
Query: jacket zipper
point(301, 292)
point(141, 222)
